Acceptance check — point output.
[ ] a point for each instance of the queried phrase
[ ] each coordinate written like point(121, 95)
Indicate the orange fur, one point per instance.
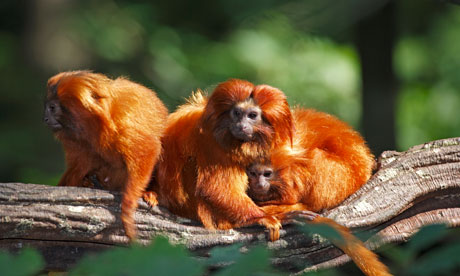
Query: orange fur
point(110, 129)
point(364, 258)
point(328, 162)
point(202, 173)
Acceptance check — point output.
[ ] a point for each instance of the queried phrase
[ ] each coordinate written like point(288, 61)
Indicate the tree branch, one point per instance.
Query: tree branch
point(409, 190)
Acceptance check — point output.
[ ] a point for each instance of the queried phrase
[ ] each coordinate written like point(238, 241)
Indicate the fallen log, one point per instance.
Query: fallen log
point(409, 190)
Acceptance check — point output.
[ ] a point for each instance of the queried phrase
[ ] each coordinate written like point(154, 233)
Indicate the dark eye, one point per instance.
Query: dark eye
point(95, 95)
point(52, 107)
point(268, 174)
point(252, 115)
point(236, 112)
point(253, 174)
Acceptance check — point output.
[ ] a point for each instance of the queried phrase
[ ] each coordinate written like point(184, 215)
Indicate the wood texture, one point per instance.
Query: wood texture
point(411, 189)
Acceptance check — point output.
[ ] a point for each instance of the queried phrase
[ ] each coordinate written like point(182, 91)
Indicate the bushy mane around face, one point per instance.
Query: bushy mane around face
point(278, 127)
point(223, 98)
point(276, 110)
point(86, 87)
point(85, 99)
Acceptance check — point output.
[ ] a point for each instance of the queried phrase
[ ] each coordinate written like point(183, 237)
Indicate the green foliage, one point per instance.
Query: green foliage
point(426, 253)
point(324, 230)
point(255, 262)
point(161, 258)
point(426, 237)
point(166, 259)
point(176, 52)
point(224, 255)
point(27, 262)
point(444, 260)
point(427, 64)
point(172, 51)
point(433, 250)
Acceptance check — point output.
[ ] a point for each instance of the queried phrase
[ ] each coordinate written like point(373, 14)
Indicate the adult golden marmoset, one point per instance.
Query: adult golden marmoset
point(208, 144)
point(110, 130)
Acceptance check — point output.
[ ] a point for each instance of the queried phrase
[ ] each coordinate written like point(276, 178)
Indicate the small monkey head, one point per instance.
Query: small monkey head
point(75, 102)
point(260, 178)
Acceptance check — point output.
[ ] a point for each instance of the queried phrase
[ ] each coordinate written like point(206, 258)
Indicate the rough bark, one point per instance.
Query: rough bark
point(411, 189)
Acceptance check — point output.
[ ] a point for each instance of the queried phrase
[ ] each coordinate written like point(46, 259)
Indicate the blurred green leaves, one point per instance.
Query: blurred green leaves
point(324, 230)
point(433, 250)
point(428, 66)
point(444, 260)
point(174, 51)
point(255, 262)
point(108, 30)
point(160, 258)
point(312, 70)
point(27, 262)
point(428, 252)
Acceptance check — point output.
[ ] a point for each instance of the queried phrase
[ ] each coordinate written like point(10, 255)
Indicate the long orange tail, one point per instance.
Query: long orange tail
point(365, 259)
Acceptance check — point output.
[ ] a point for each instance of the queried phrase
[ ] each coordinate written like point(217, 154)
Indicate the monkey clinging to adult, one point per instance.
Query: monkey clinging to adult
point(327, 163)
point(264, 180)
point(110, 130)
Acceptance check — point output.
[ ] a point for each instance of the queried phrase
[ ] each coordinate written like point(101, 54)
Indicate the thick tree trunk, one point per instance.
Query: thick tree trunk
point(375, 41)
point(409, 190)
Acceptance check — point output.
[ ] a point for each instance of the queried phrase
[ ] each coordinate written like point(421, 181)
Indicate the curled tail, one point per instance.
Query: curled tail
point(364, 258)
